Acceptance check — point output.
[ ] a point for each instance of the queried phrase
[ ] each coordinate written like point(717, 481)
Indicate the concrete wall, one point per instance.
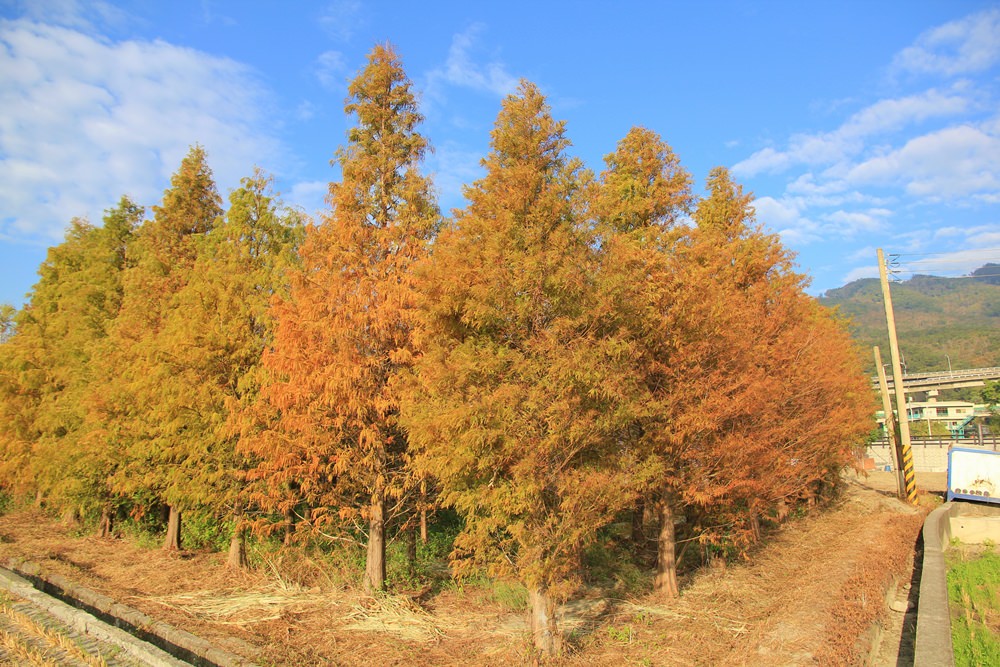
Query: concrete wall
point(927, 457)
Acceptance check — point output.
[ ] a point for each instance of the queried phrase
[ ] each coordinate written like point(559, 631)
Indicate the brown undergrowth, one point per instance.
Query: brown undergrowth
point(809, 595)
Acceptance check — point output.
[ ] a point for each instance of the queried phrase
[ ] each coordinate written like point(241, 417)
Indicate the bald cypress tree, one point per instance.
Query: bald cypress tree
point(513, 403)
point(137, 400)
point(59, 335)
point(639, 201)
point(345, 330)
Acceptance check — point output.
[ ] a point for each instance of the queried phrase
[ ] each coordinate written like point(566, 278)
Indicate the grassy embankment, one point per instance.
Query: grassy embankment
point(974, 598)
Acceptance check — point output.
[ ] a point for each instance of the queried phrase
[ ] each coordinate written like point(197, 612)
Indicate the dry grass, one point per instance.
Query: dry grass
point(791, 604)
point(397, 615)
point(246, 607)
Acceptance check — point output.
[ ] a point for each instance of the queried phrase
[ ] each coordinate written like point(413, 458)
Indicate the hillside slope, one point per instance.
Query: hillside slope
point(936, 319)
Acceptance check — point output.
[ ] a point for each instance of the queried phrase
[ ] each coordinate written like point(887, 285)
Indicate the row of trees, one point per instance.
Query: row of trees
point(567, 350)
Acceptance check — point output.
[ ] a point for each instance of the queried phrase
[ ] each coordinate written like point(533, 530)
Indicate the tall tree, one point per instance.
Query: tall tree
point(60, 331)
point(21, 387)
point(214, 335)
point(511, 402)
point(138, 398)
point(641, 197)
point(745, 340)
point(87, 302)
point(345, 331)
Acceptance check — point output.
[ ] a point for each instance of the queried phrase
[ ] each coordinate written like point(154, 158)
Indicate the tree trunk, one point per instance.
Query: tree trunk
point(237, 559)
point(665, 583)
point(638, 536)
point(289, 526)
point(173, 540)
point(375, 564)
point(782, 510)
point(423, 511)
point(755, 528)
point(544, 631)
point(411, 550)
point(69, 518)
point(105, 525)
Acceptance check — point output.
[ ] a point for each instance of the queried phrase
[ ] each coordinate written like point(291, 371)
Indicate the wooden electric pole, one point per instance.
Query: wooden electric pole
point(890, 427)
point(909, 476)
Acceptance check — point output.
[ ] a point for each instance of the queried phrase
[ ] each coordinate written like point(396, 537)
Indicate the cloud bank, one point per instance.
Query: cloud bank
point(87, 119)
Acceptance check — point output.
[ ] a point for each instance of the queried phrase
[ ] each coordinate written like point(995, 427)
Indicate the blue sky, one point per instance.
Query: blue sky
point(856, 124)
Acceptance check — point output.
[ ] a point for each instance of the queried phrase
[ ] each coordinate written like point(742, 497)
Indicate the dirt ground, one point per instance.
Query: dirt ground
point(814, 593)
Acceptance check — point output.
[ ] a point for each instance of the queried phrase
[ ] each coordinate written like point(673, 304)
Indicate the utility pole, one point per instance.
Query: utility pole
point(909, 476)
point(890, 427)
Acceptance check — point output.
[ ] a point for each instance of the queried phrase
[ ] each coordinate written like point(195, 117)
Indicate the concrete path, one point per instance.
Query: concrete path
point(36, 628)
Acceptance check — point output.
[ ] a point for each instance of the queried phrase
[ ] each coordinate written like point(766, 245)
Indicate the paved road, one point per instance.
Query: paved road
point(37, 629)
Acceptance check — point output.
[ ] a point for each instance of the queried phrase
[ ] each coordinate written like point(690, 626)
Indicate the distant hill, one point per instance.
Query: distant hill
point(936, 318)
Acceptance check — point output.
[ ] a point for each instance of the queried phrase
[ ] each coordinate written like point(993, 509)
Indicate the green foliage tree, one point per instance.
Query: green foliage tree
point(214, 335)
point(60, 330)
point(345, 330)
point(139, 407)
point(990, 395)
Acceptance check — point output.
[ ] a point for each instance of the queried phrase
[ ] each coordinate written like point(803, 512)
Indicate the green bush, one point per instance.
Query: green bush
point(511, 595)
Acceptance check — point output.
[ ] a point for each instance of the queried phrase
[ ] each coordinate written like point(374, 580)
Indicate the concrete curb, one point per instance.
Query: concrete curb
point(86, 624)
point(933, 641)
point(189, 649)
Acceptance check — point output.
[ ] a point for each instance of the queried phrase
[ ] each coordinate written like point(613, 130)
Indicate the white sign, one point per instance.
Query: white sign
point(974, 474)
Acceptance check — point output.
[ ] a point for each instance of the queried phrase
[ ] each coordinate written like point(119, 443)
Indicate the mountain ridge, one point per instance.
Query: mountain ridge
point(940, 322)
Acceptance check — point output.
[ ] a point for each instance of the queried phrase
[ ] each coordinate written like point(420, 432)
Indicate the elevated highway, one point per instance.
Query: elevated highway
point(972, 377)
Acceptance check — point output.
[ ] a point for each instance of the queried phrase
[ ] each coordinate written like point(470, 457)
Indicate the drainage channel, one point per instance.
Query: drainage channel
point(149, 641)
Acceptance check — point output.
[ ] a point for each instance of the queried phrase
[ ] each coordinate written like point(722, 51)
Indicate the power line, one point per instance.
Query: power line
point(933, 254)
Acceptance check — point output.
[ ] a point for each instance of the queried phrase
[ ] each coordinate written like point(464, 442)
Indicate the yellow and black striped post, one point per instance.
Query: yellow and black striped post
point(909, 476)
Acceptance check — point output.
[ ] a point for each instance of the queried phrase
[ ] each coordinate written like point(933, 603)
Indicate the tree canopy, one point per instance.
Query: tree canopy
point(567, 354)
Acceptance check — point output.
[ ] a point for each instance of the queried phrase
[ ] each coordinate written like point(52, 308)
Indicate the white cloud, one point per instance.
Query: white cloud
point(339, 19)
point(862, 254)
point(306, 110)
point(970, 44)
point(849, 139)
point(953, 162)
point(860, 272)
point(958, 262)
point(71, 13)
point(789, 215)
point(310, 196)
point(776, 213)
point(462, 71)
point(330, 69)
point(850, 223)
point(86, 120)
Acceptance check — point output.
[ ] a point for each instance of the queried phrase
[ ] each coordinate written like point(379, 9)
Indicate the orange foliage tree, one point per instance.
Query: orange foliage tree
point(214, 335)
point(513, 403)
point(331, 437)
point(727, 376)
